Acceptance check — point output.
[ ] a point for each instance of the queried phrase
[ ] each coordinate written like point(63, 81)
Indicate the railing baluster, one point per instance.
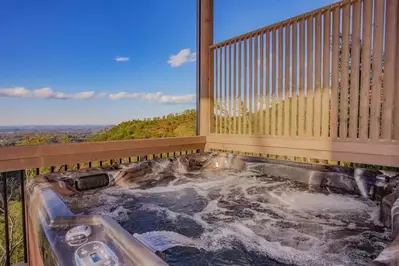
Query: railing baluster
point(367, 11)
point(130, 159)
point(294, 83)
point(245, 107)
point(261, 93)
point(250, 88)
point(267, 77)
point(309, 79)
point(230, 94)
point(6, 232)
point(52, 168)
point(302, 71)
point(220, 99)
point(240, 120)
point(225, 115)
point(274, 72)
point(376, 70)
point(326, 76)
point(101, 163)
point(344, 75)
point(355, 64)
point(37, 171)
point(317, 80)
point(25, 243)
point(256, 89)
point(89, 164)
point(280, 83)
point(78, 166)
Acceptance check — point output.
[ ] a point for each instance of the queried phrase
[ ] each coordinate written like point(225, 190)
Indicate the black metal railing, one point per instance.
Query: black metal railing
point(14, 238)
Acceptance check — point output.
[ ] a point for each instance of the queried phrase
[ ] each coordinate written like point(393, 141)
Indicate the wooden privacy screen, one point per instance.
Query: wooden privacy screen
point(326, 74)
point(329, 74)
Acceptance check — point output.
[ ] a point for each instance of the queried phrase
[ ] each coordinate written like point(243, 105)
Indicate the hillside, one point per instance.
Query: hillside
point(172, 125)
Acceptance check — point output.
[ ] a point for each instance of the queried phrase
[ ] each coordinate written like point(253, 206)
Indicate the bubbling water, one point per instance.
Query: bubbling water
point(242, 218)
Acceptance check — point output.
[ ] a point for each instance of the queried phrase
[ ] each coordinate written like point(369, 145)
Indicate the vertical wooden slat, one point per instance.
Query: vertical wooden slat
point(355, 67)
point(280, 83)
point(396, 89)
point(294, 115)
point(256, 91)
point(309, 80)
point(245, 87)
point(273, 73)
point(302, 71)
point(210, 126)
point(287, 81)
point(221, 91)
point(377, 70)
point(225, 110)
point(335, 73)
point(217, 90)
point(317, 82)
point(250, 80)
point(343, 111)
point(262, 129)
point(267, 72)
point(235, 88)
point(365, 75)
point(230, 88)
point(326, 76)
point(389, 68)
point(240, 120)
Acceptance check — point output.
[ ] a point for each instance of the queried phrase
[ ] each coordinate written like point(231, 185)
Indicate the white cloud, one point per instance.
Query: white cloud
point(15, 92)
point(124, 95)
point(181, 58)
point(44, 93)
point(169, 99)
point(121, 59)
point(48, 93)
point(157, 97)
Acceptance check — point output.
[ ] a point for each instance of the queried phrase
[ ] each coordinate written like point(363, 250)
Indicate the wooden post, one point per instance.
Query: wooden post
point(205, 68)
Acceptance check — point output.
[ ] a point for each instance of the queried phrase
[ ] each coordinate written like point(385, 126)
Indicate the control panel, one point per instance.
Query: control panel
point(95, 253)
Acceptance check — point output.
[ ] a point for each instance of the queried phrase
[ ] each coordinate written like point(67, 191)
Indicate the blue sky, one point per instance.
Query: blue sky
point(103, 62)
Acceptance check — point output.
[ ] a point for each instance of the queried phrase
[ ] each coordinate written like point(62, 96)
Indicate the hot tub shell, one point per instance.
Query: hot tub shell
point(49, 218)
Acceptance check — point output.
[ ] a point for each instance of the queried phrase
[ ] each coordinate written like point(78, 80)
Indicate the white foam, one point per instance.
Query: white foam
point(321, 203)
point(268, 216)
point(163, 240)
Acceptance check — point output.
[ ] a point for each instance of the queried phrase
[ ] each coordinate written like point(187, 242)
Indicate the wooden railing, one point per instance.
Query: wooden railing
point(330, 75)
point(26, 157)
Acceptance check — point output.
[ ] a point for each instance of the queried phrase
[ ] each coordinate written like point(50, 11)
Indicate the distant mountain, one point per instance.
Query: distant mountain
point(171, 125)
point(52, 128)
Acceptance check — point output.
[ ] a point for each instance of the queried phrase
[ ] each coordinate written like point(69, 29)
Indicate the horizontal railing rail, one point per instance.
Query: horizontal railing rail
point(25, 157)
point(381, 153)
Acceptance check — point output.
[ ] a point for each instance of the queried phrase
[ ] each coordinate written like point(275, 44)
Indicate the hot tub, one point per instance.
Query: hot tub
point(218, 209)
